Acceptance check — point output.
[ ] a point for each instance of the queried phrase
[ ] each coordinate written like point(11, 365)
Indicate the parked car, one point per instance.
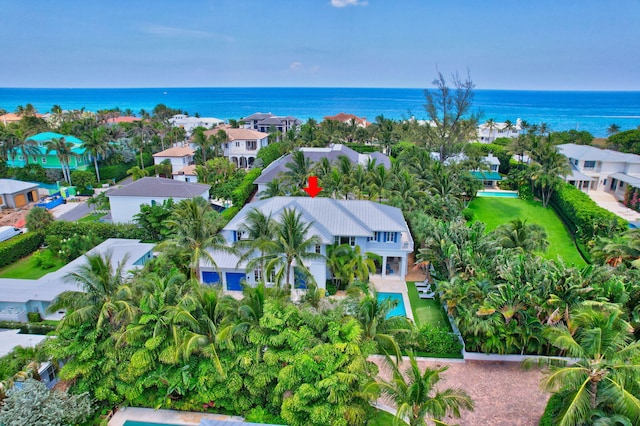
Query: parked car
point(7, 232)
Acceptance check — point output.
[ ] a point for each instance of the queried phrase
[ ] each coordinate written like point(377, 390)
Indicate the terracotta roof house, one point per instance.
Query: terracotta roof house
point(316, 154)
point(346, 118)
point(14, 118)
point(186, 174)
point(264, 122)
point(81, 160)
point(374, 227)
point(16, 193)
point(242, 145)
point(126, 201)
point(123, 119)
point(178, 156)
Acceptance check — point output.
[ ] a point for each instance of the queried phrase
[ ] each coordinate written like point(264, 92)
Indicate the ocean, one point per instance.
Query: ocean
point(590, 111)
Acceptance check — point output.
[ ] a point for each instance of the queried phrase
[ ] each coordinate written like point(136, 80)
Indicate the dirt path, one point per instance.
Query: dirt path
point(504, 394)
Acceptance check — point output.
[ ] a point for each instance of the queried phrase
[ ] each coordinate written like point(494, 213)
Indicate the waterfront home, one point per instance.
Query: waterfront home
point(178, 156)
point(79, 161)
point(332, 153)
point(348, 119)
point(20, 296)
point(186, 174)
point(375, 228)
point(487, 133)
point(242, 145)
point(126, 201)
point(601, 169)
point(268, 123)
point(190, 123)
point(16, 193)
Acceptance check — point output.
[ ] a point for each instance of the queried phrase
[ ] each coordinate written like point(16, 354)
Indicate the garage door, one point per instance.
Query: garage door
point(20, 200)
point(233, 281)
point(210, 277)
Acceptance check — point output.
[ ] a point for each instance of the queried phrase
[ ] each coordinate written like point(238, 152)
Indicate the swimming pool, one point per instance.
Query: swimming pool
point(399, 310)
point(503, 194)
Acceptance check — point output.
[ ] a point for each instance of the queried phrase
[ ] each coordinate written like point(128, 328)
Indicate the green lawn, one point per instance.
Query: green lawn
point(382, 418)
point(426, 311)
point(91, 217)
point(27, 269)
point(495, 211)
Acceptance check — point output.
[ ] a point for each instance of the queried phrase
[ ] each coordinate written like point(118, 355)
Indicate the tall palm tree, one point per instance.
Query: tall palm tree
point(258, 231)
point(298, 170)
point(96, 144)
point(606, 375)
point(143, 131)
point(28, 147)
point(64, 152)
point(292, 244)
point(491, 125)
point(105, 299)
point(525, 236)
point(416, 396)
point(194, 230)
point(613, 129)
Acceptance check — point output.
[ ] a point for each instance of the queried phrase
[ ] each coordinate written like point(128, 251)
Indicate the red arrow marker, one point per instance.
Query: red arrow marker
point(313, 189)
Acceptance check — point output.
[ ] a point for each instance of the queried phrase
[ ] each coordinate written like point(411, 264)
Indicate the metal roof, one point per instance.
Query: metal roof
point(631, 180)
point(11, 186)
point(591, 153)
point(485, 175)
point(160, 187)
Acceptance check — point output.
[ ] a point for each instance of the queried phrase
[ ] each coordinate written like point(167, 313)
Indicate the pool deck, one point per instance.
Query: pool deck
point(166, 416)
point(394, 286)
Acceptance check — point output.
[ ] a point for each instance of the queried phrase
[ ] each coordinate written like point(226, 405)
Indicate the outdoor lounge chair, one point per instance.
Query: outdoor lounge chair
point(430, 295)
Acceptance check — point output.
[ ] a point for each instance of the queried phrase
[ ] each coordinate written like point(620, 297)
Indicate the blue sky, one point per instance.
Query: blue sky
point(541, 44)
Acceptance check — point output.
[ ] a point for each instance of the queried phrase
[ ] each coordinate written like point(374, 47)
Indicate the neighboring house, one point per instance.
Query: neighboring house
point(186, 174)
point(487, 134)
point(123, 119)
point(267, 122)
point(15, 193)
point(126, 201)
point(81, 160)
point(374, 227)
point(20, 296)
point(347, 119)
point(332, 152)
point(488, 177)
point(601, 169)
point(179, 156)
point(190, 123)
point(11, 117)
point(242, 145)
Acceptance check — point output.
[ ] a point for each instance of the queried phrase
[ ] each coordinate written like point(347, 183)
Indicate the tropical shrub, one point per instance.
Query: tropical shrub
point(83, 179)
point(242, 193)
point(38, 219)
point(270, 153)
point(19, 246)
point(44, 259)
point(435, 340)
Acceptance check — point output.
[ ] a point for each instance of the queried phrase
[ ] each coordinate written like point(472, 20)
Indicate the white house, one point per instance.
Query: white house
point(332, 153)
point(186, 174)
point(488, 133)
point(374, 227)
point(20, 296)
point(242, 145)
point(178, 156)
point(126, 201)
point(267, 122)
point(190, 123)
point(601, 169)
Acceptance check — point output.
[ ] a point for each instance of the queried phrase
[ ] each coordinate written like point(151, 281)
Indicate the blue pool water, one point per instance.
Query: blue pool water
point(503, 194)
point(399, 309)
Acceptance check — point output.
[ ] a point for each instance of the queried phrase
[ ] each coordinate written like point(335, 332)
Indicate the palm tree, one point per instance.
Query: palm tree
point(299, 169)
point(64, 152)
point(27, 146)
point(257, 230)
point(137, 173)
point(290, 245)
point(613, 129)
point(606, 374)
point(143, 131)
point(416, 396)
point(519, 234)
point(194, 230)
point(105, 299)
point(491, 125)
point(97, 145)
point(508, 127)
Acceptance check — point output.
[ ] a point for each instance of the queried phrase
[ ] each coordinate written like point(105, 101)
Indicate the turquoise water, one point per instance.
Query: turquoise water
point(399, 310)
point(591, 111)
point(498, 194)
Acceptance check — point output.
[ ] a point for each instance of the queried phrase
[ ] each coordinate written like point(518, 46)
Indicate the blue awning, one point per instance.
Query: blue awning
point(481, 175)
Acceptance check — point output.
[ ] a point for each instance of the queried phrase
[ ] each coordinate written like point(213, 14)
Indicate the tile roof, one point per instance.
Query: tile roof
point(123, 119)
point(189, 170)
point(176, 151)
point(591, 153)
point(344, 118)
point(239, 134)
point(160, 187)
point(11, 186)
point(330, 217)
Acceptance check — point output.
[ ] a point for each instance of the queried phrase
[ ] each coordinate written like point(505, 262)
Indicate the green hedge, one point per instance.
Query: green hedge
point(19, 246)
point(100, 230)
point(119, 171)
point(362, 149)
point(271, 152)
point(584, 217)
point(241, 194)
point(437, 340)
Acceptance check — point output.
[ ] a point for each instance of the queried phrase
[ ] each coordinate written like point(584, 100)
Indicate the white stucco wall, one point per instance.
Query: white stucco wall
point(123, 209)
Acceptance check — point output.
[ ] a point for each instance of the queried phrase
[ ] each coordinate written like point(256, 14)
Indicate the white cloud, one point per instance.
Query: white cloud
point(165, 31)
point(301, 69)
point(345, 3)
point(296, 66)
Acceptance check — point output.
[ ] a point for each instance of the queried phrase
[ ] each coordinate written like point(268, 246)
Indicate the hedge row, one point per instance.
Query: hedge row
point(241, 194)
point(19, 246)
point(362, 149)
point(585, 218)
point(119, 171)
point(100, 230)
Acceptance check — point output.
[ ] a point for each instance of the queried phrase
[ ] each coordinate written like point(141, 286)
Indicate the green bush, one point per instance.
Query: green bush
point(525, 193)
point(362, 149)
point(241, 194)
point(18, 247)
point(584, 217)
point(554, 405)
point(270, 153)
point(44, 259)
point(34, 317)
point(332, 288)
point(41, 329)
point(102, 231)
point(438, 341)
point(467, 214)
point(229, 213)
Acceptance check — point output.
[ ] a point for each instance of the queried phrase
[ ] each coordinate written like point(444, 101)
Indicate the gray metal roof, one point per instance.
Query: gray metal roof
point(258, 116)
point(577, 175)
point(160, 187)
point(11, 186)
point(332, 153)
point(591, 153)
point(631, 180)
point(331, 217)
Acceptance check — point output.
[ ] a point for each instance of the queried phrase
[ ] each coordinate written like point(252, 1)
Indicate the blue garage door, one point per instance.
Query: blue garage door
point(233, 280)
point(210, 277)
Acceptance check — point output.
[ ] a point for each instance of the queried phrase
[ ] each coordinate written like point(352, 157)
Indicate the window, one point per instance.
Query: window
point(238, 144)
point(251, 145)
point(345, 240)
point(318, 248)
point(257, 274)
point(44, 160)
point(376, 237)
point(390, 237)
point(20, 157)
point(589, 164)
